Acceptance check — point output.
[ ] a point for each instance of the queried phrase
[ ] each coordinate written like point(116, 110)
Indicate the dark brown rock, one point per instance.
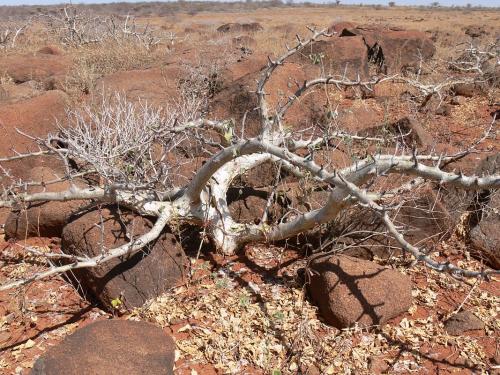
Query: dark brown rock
point(338, 56)
point(240, 27)
point(462, 322)
point(485, 220)
point(349, 290)
point(110, 347)
point(475, 31)
point(42, 219)
point(262, 176)
point(469, 90)
point(247, 204)
point(427, 218)
point(237, 100)
point(50, 50)
point(486, 240)
point(393, 49)
point(133, 278)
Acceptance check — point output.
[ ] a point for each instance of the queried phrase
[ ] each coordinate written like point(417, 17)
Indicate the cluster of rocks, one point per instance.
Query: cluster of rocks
point(348, 289)
point(35, 98)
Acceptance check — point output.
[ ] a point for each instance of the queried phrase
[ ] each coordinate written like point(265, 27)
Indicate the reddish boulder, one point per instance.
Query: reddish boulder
point(486, 239)
point(238, 99)
point(154, 86)
point(12, 93)
point(182, 168)
point(337, 56)
point(358, 117)
point(41, 67)
point(247, 205)
point(349, 290)
point(133, 279)
point(243, 66)
point(393, 49)
point(42, 219)
point(110, 347)
point(261, 176)
point(36, 117)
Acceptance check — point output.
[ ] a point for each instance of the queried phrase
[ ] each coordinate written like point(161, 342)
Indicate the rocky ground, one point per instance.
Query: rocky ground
point(261, 312)
point(248, 314)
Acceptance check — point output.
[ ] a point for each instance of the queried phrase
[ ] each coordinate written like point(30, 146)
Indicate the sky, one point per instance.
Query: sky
point(486, 3)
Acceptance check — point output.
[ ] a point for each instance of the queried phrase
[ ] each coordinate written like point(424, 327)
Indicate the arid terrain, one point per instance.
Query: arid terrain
point(411, 82)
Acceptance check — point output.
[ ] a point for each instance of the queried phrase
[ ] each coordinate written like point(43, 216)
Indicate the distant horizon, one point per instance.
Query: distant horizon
point(444, 3)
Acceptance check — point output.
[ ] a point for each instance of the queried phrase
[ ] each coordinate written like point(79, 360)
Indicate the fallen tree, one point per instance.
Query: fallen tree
point(132, 150)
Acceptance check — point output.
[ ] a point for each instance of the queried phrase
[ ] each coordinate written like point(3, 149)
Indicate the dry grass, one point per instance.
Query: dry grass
point(94, 61)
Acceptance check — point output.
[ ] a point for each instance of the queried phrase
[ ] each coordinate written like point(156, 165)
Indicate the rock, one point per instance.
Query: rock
point(495, 114)
point(155, 86)
point(183, 168)
point(338, 56)
point(486, 240)
point(50, 50)
point(11, 93)
point(247, 204)
point(427, 219)
point(262, 176)
point(360, 118)
point(485, 221)
point(444, 110)
point(243, 66)
point(349, 290)
point(469, 90)
point(132, 279)
point(475, 31)
point(36, 117)
point(42, 67)
point(391, 49)
point(378, 365)
point(408, 131)
point(462, 322)
point(238, 98)
point(42, 219)
point(110, 347)
point(240, 27)
point(249, 207)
